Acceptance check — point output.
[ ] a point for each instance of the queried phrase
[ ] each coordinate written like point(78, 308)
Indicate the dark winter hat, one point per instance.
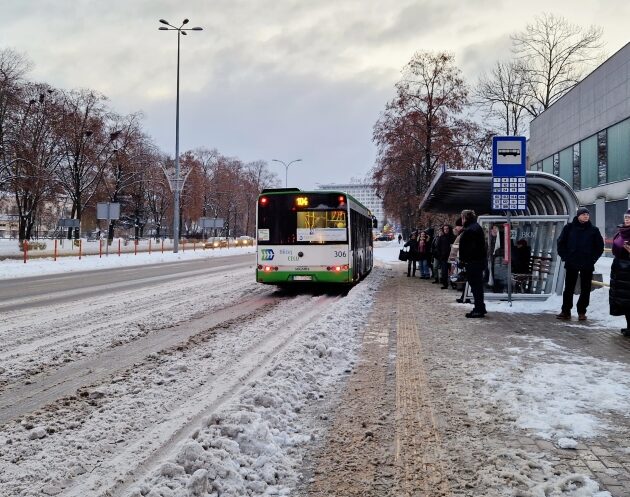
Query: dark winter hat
point(583, 210)
point(627, 213)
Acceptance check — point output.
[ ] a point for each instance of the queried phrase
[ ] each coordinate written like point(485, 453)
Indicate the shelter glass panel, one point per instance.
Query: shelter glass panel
point(566, 165)
point(602, 157)
point(577, 178)
point(534, 262)
point(588, 162)
point(548, 165)
point(619, 151)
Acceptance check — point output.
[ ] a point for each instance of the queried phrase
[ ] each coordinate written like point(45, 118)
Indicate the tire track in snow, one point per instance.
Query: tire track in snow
point(23, 399)
point(114, 476)
point(100, 325)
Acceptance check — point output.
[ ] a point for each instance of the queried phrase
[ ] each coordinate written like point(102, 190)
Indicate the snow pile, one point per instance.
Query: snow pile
point(557, 394)
point(255, 445)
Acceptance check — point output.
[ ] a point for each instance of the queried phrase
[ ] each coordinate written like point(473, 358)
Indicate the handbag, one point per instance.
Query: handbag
point(403, 255)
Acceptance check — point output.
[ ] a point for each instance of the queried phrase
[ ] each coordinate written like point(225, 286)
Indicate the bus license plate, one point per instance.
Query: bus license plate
point(302, 278)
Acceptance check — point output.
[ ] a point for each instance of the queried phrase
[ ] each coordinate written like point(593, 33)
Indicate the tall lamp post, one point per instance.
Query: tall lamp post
point(286, 168)
point(177, 182)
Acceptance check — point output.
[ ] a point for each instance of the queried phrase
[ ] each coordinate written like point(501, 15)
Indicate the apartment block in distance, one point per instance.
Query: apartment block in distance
point(364, 193)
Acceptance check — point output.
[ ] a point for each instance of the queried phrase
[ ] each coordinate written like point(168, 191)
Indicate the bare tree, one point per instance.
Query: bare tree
point(13, 67)
point(132, 152)
point(555, 55)
point(431, 95)
point(158, 194)
point(257, 178)
point(504, 97)
point(36, 151)
point(86, 140)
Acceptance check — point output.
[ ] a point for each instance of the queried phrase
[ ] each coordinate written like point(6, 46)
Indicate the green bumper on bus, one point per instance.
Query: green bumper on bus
point(279, 277)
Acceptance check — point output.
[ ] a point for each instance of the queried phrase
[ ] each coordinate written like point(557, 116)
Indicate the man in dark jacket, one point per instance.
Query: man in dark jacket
point(472, 253)
point(412, 257)
point(579, 246)
point(442, 252)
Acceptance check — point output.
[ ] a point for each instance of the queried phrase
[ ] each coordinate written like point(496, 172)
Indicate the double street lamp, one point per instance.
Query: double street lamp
point(286, 168)
point(177, 183)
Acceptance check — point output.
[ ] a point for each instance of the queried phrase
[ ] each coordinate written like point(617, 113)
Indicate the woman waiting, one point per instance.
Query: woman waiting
point(412, 243)
point(424, 256)
point(619, 297)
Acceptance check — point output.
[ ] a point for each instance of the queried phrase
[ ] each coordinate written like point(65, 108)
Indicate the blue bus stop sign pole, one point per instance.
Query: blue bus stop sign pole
point(509, 184)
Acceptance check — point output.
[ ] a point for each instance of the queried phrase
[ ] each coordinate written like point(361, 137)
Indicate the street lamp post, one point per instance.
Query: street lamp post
point(177, 183)
point(286, 168)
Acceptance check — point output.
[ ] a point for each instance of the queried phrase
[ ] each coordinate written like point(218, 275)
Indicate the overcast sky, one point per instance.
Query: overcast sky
point(281, 79)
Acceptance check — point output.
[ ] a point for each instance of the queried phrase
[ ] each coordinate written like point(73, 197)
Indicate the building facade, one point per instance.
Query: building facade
point(584, 138)
point(364, 193)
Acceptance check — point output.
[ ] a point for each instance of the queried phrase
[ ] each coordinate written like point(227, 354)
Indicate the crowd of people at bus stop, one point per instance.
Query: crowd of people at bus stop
point(459, 254)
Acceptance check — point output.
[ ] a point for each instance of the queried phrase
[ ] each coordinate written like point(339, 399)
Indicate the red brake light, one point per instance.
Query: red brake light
point(342, 199)
point(263, 200)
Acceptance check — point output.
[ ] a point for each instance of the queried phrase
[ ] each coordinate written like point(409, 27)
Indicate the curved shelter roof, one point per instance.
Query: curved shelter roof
point(454, 190)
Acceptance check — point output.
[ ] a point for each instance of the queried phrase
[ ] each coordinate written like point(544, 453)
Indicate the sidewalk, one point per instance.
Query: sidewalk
point(440, 405)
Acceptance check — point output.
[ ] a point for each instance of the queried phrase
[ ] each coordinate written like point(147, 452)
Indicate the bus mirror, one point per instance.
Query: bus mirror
point(374, 223)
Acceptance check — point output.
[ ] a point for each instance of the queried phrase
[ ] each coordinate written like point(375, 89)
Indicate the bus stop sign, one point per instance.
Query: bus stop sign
point(509, 181)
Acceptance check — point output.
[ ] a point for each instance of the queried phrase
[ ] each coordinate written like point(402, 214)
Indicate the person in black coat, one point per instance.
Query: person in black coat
point(412, 243)
point(579, 246)
point(619, 295)
point(472, 253)
point(443, 251)
point(521, 256)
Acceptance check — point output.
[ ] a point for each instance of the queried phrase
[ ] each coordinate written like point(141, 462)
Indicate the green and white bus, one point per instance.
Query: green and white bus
point(318, 237)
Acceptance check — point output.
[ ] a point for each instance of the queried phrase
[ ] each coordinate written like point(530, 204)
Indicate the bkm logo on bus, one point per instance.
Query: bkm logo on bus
point(266, 254)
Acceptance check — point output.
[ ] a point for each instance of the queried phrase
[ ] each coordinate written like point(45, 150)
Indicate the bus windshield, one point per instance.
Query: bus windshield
point(295, 219)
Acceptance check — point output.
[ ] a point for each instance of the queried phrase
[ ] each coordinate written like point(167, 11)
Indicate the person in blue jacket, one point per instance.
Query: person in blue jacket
point(580, 246)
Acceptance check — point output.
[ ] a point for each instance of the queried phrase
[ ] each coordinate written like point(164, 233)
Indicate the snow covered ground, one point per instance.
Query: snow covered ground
point(233, 411)
point(11, 268)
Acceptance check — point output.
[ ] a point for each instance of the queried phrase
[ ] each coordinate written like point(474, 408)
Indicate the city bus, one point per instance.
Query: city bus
point(317, 237)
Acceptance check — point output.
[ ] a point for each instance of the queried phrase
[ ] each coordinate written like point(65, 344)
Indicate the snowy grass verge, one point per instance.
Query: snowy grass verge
point(10, 269)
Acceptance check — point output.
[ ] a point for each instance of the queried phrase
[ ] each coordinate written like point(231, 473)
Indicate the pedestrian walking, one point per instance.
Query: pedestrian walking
point(412, 243)
point(579, 246)
point(619, 296)
point(399, 238)
point(472, 253)
point(443, 251)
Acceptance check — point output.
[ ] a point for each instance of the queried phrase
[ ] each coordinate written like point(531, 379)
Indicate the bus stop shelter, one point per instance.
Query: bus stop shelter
point(551, 203)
